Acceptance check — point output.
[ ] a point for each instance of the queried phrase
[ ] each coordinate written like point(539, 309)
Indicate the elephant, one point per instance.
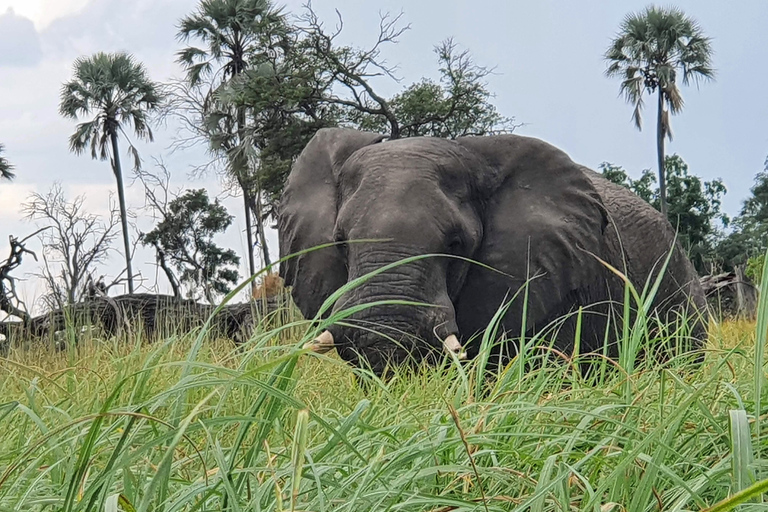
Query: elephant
point(496, 214)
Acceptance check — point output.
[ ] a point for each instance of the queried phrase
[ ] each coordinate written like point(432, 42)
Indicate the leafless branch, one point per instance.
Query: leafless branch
point(10, 302)
point(354, 68)
point(74, 242)
point(158, 195)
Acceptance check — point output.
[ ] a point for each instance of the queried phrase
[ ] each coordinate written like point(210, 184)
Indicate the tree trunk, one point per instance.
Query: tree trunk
point(123, 214)
point(660, 134)
point(168, 272)
point(260, 230)
point(244, 183)
point(249, 231)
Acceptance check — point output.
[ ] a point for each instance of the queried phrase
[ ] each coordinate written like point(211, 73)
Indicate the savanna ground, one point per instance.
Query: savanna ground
point(189, 423)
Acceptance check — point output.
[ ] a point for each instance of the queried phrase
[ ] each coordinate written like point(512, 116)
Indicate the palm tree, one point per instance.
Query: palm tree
point(115, 92)
point(6, 169)
point(231, 32)
point(651, 48)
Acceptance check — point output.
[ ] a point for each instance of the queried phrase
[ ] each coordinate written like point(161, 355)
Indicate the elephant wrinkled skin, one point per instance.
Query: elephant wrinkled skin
point(513, 203)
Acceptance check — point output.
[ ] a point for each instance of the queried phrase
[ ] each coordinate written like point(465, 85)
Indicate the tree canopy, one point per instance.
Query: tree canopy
point(749, 238)
point(184, 241)
point(310, 82)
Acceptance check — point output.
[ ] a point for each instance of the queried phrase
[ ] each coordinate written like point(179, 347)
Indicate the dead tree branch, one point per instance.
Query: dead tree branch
point(10, 302)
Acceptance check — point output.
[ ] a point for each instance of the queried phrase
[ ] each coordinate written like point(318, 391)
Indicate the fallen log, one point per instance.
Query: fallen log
point(731, 294)
point(149, 315)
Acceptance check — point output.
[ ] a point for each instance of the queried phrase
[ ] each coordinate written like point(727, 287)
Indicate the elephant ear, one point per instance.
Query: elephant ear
point(542, 218)
point(308, 215)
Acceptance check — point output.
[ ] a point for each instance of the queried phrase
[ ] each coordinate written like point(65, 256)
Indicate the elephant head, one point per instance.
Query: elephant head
point(512, 203)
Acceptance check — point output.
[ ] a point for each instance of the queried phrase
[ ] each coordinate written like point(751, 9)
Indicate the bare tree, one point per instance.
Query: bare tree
point(10, 302)
point(75, 243)
point(187, 105)
point(204, 120)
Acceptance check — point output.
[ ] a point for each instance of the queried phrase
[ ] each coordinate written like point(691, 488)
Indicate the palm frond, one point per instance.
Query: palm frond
point(6, 169)
point(673, 98)
point(665, 124)
point(81, 139)
point(228, 30)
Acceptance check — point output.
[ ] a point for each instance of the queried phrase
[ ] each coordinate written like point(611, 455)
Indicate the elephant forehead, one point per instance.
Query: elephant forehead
point(446, 163)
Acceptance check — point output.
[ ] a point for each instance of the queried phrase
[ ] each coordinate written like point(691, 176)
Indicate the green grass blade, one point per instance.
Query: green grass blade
point(755, 490)
point(298, 450)
point(761, 337)
point(741, 450)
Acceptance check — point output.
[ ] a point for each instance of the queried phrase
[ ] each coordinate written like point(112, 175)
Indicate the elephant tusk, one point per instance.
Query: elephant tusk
point(321, 344)
point(452, 345)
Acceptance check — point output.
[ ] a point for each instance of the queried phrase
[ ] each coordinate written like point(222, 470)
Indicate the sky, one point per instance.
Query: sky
point(548, 76)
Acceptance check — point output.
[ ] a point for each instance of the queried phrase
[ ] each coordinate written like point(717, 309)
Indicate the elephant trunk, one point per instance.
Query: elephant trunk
point(402, 314)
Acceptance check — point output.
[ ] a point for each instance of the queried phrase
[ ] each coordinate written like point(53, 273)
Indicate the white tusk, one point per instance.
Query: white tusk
point(321, 344)
point(452, 345)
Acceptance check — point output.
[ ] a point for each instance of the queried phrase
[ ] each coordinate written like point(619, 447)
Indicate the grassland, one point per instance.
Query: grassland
point(192, 424)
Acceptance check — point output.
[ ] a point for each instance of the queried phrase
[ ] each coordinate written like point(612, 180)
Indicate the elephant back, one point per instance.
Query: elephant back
point(638, 239)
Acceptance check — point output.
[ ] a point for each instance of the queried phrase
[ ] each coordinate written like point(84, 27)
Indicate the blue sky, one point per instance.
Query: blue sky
point(548, 75)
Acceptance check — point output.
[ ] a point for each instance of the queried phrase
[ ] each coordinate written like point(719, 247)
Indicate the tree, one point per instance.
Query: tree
point(10, 302)
point(458, 105)
point(183, 240)
point(694, 205)
point(6, 169)
point(693, 211)
point(286, 99)
point(236, 34)
point(75, 242)
point(116, 91)
point(312, 83)
point(652, 47)
point(755, 208)
point(749, 238)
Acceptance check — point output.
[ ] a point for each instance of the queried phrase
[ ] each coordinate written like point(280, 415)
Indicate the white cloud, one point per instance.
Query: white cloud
point(19, 41)
point(43, 12)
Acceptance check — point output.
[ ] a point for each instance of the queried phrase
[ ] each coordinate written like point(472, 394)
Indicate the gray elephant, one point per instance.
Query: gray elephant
point(515, 204)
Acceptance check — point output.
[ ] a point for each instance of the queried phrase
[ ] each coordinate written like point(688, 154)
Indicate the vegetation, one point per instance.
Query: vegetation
point(459, 105)
point(183, 240)
point(6, 169)
point(75, 243)
point(749, 239)
point(237, 35)
point(116, 91)
point(651, 49)
point(286, 80)
point(192, 424)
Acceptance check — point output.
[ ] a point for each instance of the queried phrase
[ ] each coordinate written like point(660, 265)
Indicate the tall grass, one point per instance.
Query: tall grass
point(194, 424)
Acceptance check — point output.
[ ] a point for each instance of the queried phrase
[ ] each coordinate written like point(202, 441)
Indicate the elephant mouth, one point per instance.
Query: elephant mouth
point(325, 342)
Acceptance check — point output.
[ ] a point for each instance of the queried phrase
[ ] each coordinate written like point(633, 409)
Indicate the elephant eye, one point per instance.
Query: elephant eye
point(455, 245)
point(339, 239)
